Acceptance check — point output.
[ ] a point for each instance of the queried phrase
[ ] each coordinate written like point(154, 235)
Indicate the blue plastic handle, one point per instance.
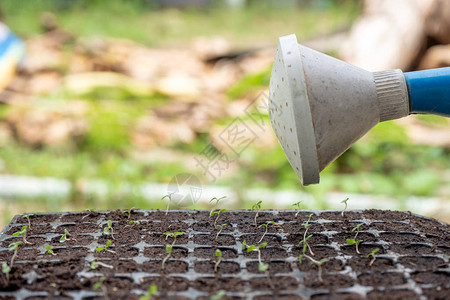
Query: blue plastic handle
point(429, 91)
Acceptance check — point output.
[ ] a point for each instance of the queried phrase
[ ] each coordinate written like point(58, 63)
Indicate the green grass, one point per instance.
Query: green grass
point(133, 20)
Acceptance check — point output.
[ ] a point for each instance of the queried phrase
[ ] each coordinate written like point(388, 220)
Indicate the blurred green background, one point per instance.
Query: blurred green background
point(88, 109)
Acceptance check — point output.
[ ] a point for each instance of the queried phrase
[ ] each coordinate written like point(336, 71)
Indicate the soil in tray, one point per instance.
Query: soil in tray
point(411, 250)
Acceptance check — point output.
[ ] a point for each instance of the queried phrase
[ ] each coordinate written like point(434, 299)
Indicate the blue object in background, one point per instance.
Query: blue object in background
point(429, 91)
point(12, 50)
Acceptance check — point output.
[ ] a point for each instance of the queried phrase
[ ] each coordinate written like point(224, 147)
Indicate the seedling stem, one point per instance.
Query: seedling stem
point(345, 202)
point(306, 238)
point(257, 208)
point(318, 263)
point(105, 248)
point(128, 211)
point(108, 230)
point(216, 213)
point(373, 255)
point(169, 248)
point(266, 225)
point(218, 254)
point(23, 234)
point(297, 204)
point(49, 250)
point(27, 216)
point(89, 211)
point(354, 241)
point(220, 230)
point(94, 265)
point(14, 247)
point(64, 237)
point(217, 202)
point(169, 197)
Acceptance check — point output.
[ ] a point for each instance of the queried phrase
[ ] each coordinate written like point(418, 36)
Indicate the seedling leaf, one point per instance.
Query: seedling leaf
point(262, 267)
point(5, 268)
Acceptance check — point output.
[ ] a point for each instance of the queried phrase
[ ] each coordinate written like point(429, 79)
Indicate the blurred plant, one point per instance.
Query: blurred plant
point(108, 230)
point(152, 290)
point(297, 204)
point(128, 211)
point(64, 237)
point(345, 202)
point(169, 197)
point(219, 295)
point(95, 264)
point(105, 248)
point(49, 250)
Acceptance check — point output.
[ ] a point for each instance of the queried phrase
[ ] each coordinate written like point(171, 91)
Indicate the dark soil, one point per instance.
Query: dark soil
point(412, 261)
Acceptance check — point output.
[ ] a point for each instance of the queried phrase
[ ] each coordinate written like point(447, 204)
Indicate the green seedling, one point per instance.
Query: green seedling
point(105, 248)
point(108, 230)
point(220, 230)
point(99, 283)
point(14, 247)
point(169, 249)
point(152, 290)
point(262, 267)
point(219, 295)
point(173, 235)
point(89, 212)
point(305, 246)
point(266, 225)
point(218, 254)
point(23, 234)
point(217, 202)
point(64, 237)
point(95, 264)
point(256, 207)
point(169, 197)
point(345, 202)
point(128, 211)
point(306, 238)
point(318, 263)
point(213, 213)
point(373, 255)
point(133, 223)
point(6, 270)
point(354, 241)
point(27, 216)
point(297, 204)
point(48, 250)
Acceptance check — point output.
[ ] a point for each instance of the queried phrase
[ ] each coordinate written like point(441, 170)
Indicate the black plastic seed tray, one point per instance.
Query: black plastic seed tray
point(412, 261)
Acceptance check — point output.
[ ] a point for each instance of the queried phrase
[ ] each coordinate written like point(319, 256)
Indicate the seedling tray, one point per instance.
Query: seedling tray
point(412, 263)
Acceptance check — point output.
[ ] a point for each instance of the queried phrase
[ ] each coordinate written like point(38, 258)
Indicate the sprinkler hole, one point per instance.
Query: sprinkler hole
point(290, 129)
point(286, 104)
